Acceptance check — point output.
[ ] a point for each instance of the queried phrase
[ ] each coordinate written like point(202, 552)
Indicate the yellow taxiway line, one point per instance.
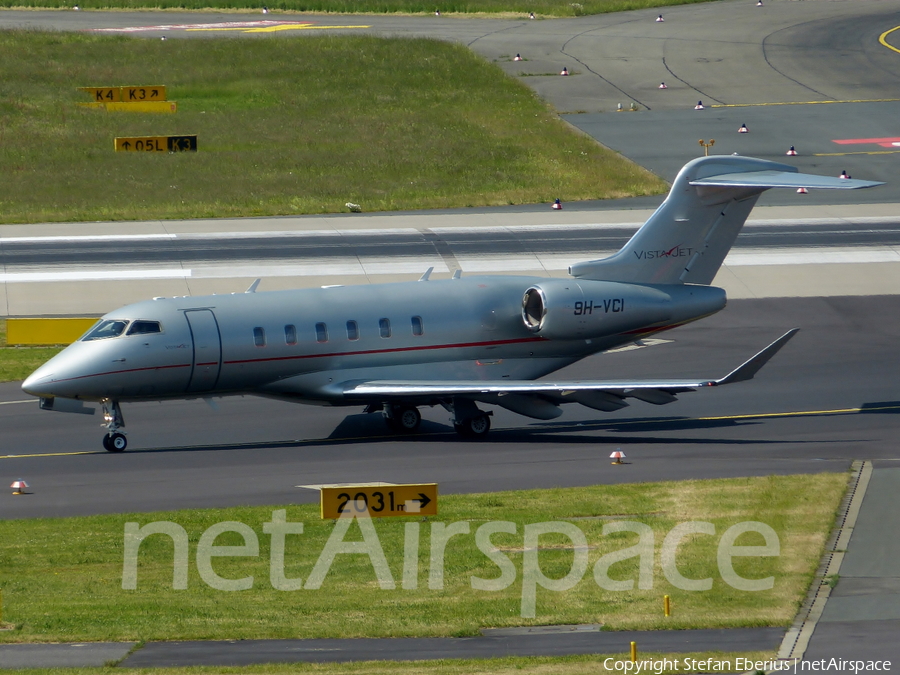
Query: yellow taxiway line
point(883, 39)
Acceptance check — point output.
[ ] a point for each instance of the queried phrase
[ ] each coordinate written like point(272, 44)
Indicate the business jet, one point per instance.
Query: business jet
point(457, 343)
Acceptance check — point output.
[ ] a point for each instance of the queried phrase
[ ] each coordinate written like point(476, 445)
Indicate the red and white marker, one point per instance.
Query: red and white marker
point(557, 205)
point(659, 19)
point(699, 105)
point(844, 175)
point(618, 456)
point(791, 152)
point(564, 71)
point(18, 485)
point(743, 129)
point(802, 191)
point(518, 57)
point(662, 85)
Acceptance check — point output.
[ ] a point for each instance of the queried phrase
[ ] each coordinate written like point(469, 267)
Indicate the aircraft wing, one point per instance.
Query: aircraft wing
point(601, 395)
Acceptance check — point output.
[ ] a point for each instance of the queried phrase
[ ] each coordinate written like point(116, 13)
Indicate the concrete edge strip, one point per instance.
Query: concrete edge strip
point(797, 638)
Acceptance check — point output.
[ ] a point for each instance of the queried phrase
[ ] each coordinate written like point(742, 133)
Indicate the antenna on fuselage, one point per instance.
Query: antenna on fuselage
point(253, 286)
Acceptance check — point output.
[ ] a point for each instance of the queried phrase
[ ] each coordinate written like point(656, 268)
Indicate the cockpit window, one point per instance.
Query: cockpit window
point(106, 329)
point(144, 327)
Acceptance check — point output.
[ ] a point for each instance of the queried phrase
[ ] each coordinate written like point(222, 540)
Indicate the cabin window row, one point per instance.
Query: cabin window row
point(417, 327)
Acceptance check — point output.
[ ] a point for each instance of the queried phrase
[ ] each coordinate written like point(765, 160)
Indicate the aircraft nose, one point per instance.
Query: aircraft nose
point(39, 383)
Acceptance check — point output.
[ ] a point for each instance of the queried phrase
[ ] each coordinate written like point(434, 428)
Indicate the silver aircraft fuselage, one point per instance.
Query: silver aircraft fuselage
point(295, 344)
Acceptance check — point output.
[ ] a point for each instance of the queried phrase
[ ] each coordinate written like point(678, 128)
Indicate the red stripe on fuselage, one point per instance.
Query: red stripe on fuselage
point(317, 356)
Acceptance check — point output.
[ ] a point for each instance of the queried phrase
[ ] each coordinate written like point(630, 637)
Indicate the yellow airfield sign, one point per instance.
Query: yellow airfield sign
point(126, 94)
point(139, 106)
point(156, 144)
point(378, 501)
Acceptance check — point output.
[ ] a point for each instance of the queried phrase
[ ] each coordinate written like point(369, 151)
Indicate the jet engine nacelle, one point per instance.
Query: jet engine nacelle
point(568, 309)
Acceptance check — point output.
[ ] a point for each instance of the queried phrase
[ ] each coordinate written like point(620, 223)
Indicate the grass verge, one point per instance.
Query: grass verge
point(537, 665)
point(62, 579)
point(542, 8)
point(17, 363)
point(284, 127)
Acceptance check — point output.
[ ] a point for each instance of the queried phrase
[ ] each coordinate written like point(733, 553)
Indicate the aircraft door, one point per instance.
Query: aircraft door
point(207, 349)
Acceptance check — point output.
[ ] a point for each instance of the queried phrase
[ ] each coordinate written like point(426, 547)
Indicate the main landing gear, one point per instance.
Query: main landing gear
point(115, 440)
point(468, 420)
point(402, 418)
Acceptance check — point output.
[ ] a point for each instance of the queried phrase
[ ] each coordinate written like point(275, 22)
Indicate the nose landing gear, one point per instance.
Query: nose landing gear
point(115, 440)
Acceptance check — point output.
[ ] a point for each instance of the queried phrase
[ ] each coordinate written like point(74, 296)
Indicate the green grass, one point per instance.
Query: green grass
point(17, 363)
point(284, 127)
point(535, 665)
point(62, 578)
point(541, 8)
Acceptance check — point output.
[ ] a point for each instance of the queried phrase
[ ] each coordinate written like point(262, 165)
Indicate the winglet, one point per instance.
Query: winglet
point(749, 368)
point(253, 286)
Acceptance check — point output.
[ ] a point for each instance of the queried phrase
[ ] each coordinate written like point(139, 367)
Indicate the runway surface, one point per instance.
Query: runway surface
point(90, 269)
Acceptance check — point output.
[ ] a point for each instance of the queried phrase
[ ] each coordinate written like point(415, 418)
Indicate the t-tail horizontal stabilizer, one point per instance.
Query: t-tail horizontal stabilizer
point(689, 235)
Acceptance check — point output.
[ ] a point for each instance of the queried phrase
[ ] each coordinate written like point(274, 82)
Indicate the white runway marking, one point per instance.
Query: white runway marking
point(92, 275)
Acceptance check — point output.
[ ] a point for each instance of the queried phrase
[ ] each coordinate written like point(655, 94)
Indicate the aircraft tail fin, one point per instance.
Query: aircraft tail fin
point(689, 235)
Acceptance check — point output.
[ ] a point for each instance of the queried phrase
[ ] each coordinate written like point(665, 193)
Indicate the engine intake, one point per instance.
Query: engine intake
point(584, 309)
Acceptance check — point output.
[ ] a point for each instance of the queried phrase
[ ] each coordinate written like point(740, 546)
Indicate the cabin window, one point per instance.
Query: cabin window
point(290, 334)
point(321, 332)
point(259, 337)
point(144, 328)
point(384, 328)
point(106, 329)
point(352, 330)
point(418, 328)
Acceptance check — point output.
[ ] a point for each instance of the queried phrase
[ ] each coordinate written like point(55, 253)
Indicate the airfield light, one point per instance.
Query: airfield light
point(707, 146)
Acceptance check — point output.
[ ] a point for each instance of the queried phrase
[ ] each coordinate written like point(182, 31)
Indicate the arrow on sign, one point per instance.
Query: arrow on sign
point(423, 500)
point(126, 145)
